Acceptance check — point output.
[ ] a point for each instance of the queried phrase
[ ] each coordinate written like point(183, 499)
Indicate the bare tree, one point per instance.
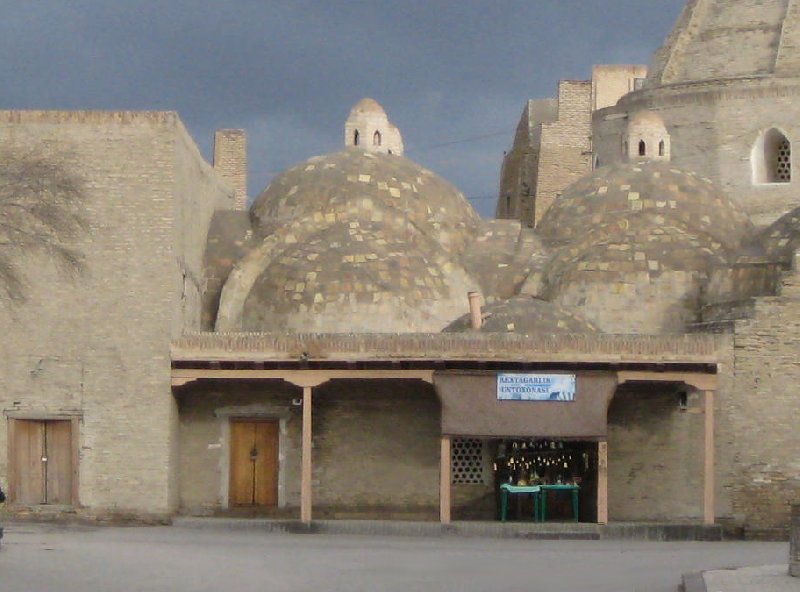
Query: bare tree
point(41, 203)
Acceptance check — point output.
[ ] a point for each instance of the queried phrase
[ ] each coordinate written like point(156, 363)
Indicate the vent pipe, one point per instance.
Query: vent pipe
point(475, 309)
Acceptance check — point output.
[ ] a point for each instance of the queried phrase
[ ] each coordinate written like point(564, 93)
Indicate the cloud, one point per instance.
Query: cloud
point(289, 72)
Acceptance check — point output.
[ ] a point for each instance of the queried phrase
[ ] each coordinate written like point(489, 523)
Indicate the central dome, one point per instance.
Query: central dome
point(353, 241)
point(717, 39)
point(356, 185)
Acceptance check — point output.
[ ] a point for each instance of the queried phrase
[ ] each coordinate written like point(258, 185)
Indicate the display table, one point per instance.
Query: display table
point(574, 489)
point(507, 489)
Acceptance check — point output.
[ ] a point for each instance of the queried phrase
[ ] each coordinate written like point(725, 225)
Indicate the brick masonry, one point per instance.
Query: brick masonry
point(97, 347)
point(794, 550)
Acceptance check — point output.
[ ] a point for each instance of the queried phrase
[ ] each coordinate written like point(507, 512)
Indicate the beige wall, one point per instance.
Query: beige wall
point(98, 346)
point(655, 456)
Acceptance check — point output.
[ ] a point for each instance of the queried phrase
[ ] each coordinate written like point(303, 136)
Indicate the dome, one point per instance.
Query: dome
point(634, 244)
point(356, 185)
point(525, 315)
point(617, 199)
point(646, 120)
point(367, 105)
point(718, 39)
point(353, 242)
point(781, 239)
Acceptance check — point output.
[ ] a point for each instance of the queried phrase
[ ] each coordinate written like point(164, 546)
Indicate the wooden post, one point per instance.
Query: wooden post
point(445, 471)
point(709, 510)
point(602, 482)
point(305, 477)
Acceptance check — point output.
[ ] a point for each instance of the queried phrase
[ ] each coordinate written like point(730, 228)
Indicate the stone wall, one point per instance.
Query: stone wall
point(714, 127)
point(794, 549)
point(762, 437)
point(375, 446)
point(230, 162)
point(565, 150)
point(97, 346)
point(205, 413)
point(655, 455)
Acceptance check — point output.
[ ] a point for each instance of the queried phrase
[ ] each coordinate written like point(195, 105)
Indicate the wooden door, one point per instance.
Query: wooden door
point(254, 463)
point(42, 460)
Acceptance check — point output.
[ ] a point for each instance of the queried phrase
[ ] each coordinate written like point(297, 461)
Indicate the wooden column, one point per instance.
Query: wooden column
point(305, 477)
point(602, 482)
point(445, 475)
point(709, 509)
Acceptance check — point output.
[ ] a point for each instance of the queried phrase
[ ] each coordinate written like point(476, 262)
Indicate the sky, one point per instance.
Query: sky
point(453, 75)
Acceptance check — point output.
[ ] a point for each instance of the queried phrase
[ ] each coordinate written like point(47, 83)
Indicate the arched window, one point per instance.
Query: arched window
point(355, 138)
point(376, 139)
point(661, 148)
point(772, 158)
point(642, 148)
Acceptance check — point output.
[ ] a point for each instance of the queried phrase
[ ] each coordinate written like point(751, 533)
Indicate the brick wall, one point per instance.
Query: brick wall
point(98, 346)
point(230, 162)
point(655, 460)
point(794, 550)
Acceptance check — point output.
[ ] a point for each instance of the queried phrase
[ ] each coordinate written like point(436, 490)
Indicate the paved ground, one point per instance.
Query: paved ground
point(766, 578)
point(40, 558)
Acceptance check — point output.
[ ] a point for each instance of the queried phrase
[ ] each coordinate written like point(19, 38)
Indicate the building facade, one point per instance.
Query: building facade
point(318, 355)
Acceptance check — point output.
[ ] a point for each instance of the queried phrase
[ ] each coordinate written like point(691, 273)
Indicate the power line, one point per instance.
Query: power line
point(461, 141)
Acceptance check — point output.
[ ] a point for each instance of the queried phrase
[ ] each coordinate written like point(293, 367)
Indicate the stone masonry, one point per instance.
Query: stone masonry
point(96, 347)
point(794, 551)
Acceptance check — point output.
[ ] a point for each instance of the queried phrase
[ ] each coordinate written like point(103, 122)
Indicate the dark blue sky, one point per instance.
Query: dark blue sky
point(453, 75)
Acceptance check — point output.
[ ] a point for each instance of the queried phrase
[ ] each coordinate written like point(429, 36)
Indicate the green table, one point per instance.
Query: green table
point(574, 489)
point(507, 489)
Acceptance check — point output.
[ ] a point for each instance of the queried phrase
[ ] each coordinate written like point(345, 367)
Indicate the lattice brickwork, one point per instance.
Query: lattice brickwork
point(467, 455)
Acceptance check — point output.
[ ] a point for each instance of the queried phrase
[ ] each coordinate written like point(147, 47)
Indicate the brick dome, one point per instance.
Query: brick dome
point(525, 315)
point(353, 242)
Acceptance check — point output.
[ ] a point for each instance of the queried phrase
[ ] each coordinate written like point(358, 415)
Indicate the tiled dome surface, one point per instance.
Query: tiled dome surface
point(353, 241)
point(525, 315)
point(355, 185)
point(782, 238)
point(616, 199)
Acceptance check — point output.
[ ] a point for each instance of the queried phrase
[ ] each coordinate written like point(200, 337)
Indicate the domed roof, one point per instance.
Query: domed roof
point(367, 105)
point(781, 239)
point(645, 119)
point(615, 199)
point(717, 39)
point(356, 185)
point(525, 315)
point(353, 241)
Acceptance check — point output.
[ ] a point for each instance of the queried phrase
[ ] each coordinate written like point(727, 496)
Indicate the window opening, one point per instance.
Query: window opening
point(355, 138)
point(661, 148)
point(783, 162)
point(772, 158)
point(642, 148)
point(376, 139)
point(467, 461)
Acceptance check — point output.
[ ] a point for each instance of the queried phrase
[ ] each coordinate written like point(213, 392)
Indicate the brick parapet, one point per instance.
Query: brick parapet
point(699, 348)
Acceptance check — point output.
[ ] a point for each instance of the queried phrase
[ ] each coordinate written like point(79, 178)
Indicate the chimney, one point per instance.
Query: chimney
point(475, 309)
point(230, 161)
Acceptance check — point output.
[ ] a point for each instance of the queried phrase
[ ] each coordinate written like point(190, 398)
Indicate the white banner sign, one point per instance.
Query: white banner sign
point(536, 387)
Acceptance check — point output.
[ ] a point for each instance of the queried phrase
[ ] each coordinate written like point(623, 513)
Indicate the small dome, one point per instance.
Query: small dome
point(525, 315)
point(367, 105)
point(645, 120)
